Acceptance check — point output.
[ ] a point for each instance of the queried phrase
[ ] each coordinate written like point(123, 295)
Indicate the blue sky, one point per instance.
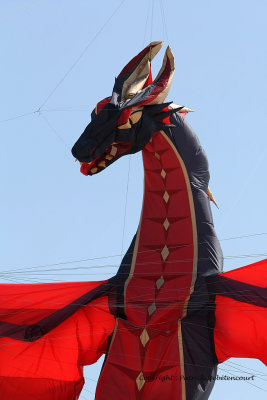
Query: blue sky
point(51, 213)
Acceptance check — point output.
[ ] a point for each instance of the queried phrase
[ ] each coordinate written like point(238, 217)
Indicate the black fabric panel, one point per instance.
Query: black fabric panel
point(33, 332)
point(116, 296)
point(200, 362)
point(210, 258)
point(240, 291)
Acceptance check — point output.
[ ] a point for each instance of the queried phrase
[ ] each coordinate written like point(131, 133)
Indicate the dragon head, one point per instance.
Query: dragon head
point(124, 122)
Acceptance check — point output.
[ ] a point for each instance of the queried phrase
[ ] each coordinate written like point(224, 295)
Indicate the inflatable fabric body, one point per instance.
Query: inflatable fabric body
point(169, 315)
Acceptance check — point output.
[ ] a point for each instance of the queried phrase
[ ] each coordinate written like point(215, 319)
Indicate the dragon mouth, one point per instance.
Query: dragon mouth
point(112, 153)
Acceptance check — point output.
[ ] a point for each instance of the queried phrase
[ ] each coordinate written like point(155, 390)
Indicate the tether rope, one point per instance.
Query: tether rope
point(82, 54)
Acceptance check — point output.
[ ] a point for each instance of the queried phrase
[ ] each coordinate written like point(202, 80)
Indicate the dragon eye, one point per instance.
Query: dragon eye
point(130, 96)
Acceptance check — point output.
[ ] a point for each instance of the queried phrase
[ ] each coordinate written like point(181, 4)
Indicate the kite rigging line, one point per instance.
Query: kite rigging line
point(92, 40)
point(54, 130)
point(220, 368)
point(152, 20)
point(89, 349)
point(21, 9)
point(9, 350)
point(81, 55)
point(146, 23)
point(246, 182)
point(164, 24)
point(150, 16)
point(150, 9)
point(26, 268)
point(17, 116)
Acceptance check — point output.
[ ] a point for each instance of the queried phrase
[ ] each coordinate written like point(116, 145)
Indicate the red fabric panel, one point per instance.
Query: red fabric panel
point(157, 308)
point(254, 274)
point(39, 389)
point(167, 119)
point(85, 168)
point(150, 264)
point(124, 364)
point(124, 116)
point(102, 104)
point(35, 301)
point(51, 367)
point(149, 79)
point(241, 328)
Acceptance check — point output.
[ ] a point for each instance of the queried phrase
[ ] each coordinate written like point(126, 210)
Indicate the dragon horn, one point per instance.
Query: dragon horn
point(166, 114)
point(135, 74)
point(211, 198)
point(164, 77)
point(157, 91)
point(157, 108)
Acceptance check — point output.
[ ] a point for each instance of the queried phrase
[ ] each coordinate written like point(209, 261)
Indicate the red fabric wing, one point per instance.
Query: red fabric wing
point(52, 366)
point(241, 327)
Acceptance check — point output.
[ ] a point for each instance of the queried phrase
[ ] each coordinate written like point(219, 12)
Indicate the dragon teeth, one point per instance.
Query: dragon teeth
point(102, 164)
point(113, 151)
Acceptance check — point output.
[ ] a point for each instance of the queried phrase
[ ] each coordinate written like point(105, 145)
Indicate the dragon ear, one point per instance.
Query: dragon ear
point(158, 90)
point(135, 74)
point(164, 78)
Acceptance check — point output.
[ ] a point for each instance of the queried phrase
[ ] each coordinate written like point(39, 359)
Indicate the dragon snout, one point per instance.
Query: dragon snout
point(84, 149)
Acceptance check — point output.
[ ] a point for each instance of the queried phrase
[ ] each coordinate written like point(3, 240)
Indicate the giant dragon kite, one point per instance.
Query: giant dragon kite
point(169, 315)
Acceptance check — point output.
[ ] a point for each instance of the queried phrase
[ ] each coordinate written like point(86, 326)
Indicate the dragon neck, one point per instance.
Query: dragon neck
point(165, 253)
